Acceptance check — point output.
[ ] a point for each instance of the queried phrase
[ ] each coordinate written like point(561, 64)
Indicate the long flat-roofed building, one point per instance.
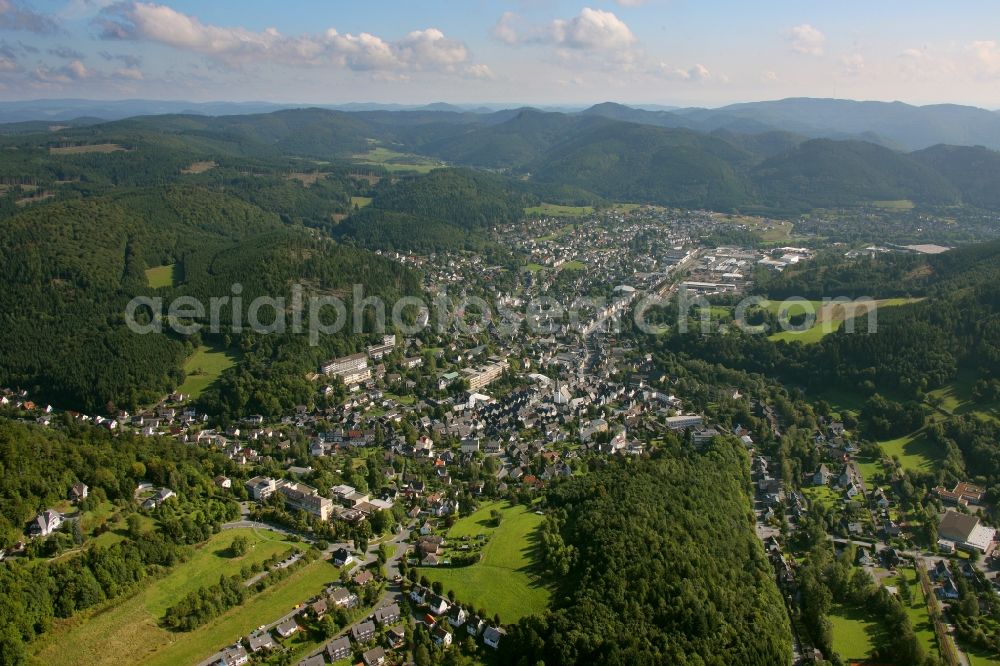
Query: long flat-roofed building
point(352, 369)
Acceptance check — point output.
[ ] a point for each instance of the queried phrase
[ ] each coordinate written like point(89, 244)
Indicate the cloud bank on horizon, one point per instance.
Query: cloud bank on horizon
point(523, 51)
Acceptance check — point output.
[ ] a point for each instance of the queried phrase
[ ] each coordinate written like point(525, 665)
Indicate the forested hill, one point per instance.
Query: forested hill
point(659, 564)
point(70, 268)
point(606, 154)
point(445, 209)
point(914, 349)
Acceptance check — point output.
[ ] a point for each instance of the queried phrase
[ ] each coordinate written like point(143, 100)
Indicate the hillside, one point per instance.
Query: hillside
point(71, 268)
point(824, 173)
point(974, 171)
point(447, 208)
point(628, 162)
point(663, 567)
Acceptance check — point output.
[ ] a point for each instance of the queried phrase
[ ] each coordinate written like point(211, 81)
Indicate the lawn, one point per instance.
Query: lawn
point(573, 266)
point(160, 276)
point(853, 632)
point(128, 631)
point(978, 657)
point(824, 495)
point(869, 468)
point(555, 210)
point(360, 202)
point(505, 581)
point(533, 267)
point(914, 451)
point(204, 367)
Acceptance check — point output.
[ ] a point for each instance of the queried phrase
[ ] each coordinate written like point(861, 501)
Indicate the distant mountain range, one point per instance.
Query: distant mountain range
point(763, 157)
point(892, 124)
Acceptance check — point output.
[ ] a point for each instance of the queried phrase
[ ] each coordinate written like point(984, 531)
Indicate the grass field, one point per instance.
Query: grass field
point(160, 276)
point(978, 657)
point(199, 167)
point(853, 632)
point(869, 468)
point(92, 148)
point(204, 367)
point(897, 204)
point(533, 267)
point(360, 202)
point(956, 398)
point(920, 617)
point(914, 451)
point(555, 210)
point(829, 318)
point(396, 161)
point(128, 632)
point(573, 266)
point(505, 580)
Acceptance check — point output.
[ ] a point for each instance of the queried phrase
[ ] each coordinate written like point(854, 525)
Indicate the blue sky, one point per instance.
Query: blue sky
point(701, 52)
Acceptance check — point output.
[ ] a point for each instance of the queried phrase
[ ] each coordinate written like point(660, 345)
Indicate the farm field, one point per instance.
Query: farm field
point(914, 451)
point(360, 202)
point(555, 210)
point(128, 631)
point(199, 167)
point(392, 160)
point(897, 204)
point(204, 367)
point(91, 148)
point(161, 276)
point(853, 632)
point(829, 318)
point(503, 581)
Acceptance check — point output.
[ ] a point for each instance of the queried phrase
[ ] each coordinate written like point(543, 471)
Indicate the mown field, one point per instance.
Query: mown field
point(556, 210)
point(160, 276)
point(914, 451)
point(204, 367)
point(128, 632)
point(917, 610)
point(505, 580)
point(956, 398)
point(854, 632)
point(392, 160)
point(829, 318)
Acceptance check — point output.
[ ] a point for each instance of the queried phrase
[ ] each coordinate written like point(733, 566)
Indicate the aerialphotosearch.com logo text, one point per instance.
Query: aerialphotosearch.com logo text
point(324, 314)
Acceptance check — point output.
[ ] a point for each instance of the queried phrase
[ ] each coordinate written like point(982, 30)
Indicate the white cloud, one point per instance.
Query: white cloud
point(14, 16)
point(768, 76)
point(132, 73)
point(987, 57)
point(806, 39)
point(506, 29)
point(696, 74)
point(853, 64)
point(78, 69)
point(426, 49)
point(592, 29)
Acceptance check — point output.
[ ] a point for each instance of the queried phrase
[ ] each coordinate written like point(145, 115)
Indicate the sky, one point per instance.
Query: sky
point(668, 52)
